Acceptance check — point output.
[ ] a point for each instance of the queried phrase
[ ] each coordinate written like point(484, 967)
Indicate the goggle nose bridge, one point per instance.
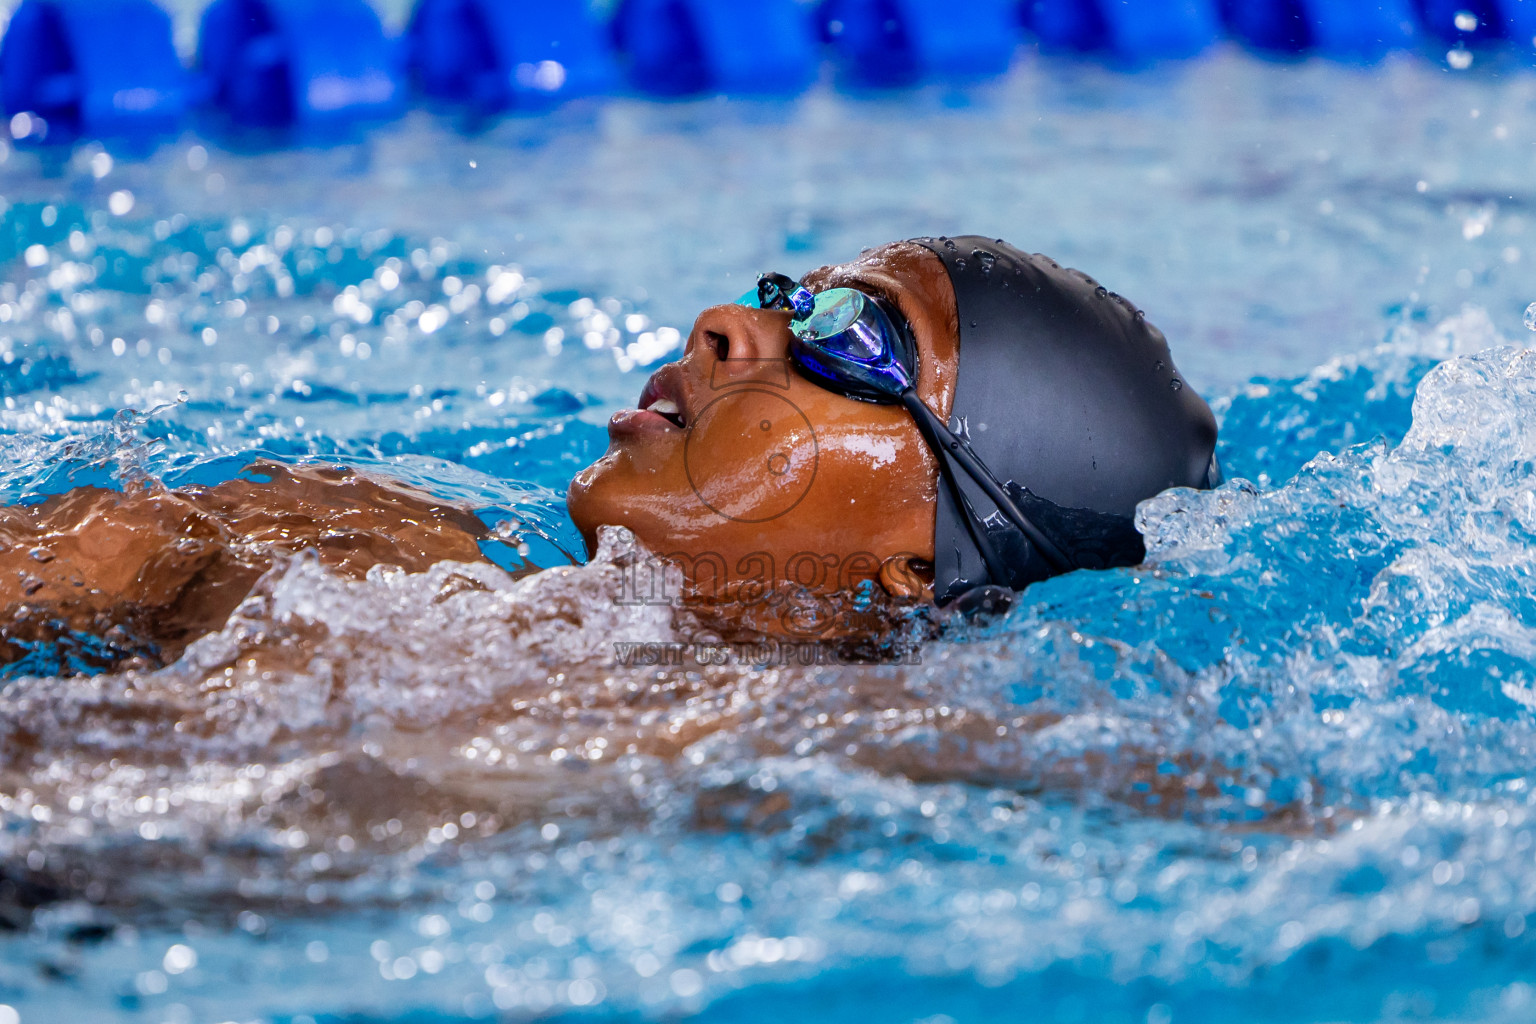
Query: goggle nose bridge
point(779, 291)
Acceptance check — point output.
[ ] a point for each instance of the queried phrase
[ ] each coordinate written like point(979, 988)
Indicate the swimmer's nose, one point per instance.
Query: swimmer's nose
point(735, 333)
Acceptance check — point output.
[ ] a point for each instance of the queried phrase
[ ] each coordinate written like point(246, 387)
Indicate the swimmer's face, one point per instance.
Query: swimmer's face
point(736, 467)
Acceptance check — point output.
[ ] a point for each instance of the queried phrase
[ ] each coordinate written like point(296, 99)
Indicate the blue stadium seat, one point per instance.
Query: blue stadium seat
point(494, 54)
point(1144, 30)
point(898, 42)
point(677, 47)
point(1520, 24)
point(1486, 23)
point(106, 67)
point(1359, 29)
point(302, 62)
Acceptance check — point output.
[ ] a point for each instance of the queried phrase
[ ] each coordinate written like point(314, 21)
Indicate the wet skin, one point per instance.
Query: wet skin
point(149, 570)
point(767, 482)
point(743, 472)
point(153, 569)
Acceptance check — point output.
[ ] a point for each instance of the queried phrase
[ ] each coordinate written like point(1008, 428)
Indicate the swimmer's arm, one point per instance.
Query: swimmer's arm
point(150, 570)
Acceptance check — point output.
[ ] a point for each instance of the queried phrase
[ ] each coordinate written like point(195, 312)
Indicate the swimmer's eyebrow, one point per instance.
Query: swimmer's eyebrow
point(817, 278)
point(848, 276)
point(898, 297)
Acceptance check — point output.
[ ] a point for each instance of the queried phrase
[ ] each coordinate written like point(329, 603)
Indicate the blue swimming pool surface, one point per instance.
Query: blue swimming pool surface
point(1279, 773)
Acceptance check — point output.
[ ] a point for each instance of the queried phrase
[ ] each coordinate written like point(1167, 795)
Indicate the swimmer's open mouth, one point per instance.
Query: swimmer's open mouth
point(663, 397)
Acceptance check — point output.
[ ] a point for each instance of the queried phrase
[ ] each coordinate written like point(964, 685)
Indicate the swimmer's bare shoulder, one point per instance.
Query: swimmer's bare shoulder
point(149, 570)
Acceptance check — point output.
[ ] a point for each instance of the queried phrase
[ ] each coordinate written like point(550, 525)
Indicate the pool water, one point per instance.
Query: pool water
point(1278, 773)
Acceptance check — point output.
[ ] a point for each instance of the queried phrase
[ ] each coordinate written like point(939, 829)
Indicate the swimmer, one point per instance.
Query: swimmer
point(941, 421)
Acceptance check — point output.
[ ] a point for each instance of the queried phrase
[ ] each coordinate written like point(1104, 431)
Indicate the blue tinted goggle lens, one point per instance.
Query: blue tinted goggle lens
point(844, 339)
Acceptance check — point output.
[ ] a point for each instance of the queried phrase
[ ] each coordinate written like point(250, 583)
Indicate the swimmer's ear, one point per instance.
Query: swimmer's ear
point(907, 577)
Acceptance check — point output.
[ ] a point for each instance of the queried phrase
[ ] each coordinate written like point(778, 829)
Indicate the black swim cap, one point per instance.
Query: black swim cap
point(1073, 401)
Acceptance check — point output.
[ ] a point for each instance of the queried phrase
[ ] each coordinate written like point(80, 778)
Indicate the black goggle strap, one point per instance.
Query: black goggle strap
point(778, 291)
point(996, 566)
point(956, 448)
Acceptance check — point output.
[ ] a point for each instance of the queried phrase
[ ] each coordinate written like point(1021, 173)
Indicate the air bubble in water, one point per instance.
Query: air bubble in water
point(1466, 21)
point(1459, 58)
point(1530, 317)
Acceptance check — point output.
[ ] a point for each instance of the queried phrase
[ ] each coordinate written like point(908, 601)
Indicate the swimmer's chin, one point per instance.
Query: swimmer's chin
point(580, 502)
point(597, 498)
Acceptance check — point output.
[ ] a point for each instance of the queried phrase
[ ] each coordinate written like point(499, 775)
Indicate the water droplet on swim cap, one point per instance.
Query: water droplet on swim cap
point(986, 260)
point(1530, 316)
point(1176, 384)
point(1101, 291)
point(949, 244)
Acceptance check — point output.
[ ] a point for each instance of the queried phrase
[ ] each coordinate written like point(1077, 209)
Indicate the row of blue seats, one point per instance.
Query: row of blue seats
point(108, 67)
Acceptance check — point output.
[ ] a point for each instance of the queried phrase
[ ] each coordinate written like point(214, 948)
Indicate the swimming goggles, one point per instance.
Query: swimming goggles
point(858, 345)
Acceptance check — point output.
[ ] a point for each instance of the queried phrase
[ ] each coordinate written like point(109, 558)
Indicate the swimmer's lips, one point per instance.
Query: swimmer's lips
point(662, 406)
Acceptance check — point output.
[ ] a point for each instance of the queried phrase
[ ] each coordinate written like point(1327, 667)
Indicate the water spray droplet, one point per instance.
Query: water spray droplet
point(1530, 317)
point(1466, 21)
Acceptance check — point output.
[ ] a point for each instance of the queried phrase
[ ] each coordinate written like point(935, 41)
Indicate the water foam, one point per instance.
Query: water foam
point(1294, 741)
